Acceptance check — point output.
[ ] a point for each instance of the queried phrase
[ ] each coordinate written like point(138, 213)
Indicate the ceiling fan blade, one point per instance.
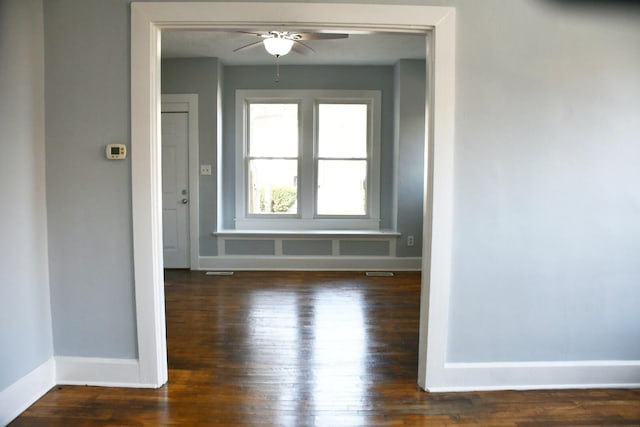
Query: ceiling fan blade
point(301, 48)
point(248, 46)
point(322, 36)
point(253, 33)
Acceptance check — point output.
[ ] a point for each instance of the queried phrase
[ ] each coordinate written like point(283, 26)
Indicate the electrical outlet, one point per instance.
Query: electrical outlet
point(205, 169)
point(410, 241)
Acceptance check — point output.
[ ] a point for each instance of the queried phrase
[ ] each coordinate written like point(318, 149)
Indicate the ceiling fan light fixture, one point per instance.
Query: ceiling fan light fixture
point(278, 46)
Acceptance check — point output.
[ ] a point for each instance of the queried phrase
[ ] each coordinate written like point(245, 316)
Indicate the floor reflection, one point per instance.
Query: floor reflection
point(339, 358)
point(315, 351)
point(274, 336)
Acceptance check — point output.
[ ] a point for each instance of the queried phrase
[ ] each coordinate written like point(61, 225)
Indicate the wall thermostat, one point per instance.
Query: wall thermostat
point(116, 151)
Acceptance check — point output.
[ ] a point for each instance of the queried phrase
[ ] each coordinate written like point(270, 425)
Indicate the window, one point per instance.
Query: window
point(342, 159)
point(307, 159)
point(272, 159)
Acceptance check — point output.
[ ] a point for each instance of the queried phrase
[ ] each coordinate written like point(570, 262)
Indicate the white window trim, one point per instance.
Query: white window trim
point(306, 219)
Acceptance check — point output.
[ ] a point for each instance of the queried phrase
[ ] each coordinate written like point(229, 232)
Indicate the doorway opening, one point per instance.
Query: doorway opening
point(149, 19)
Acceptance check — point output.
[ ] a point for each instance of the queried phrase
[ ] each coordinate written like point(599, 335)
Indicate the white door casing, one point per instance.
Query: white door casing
point(175, 189)
point(149, 19)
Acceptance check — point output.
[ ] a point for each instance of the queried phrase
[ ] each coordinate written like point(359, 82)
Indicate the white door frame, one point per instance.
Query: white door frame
point(188, 103)
point(147, 22)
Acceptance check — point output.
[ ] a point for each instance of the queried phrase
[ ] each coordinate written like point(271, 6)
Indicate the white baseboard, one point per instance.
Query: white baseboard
point(453, 377)
point(16, 398)
point(329, 263)
point(535, 375)
point(99, 372)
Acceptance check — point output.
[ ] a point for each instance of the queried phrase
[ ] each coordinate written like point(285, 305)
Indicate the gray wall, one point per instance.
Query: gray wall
point(547, 202)
point(25, 315)
point(200, 75)
point(316, 77)
point(409, 91)
point(89, 197)
point(546, 228)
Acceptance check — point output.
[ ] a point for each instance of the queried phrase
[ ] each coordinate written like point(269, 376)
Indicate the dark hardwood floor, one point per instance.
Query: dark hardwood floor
point(300, 349)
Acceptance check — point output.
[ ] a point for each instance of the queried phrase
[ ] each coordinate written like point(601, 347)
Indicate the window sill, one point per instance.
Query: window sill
point(307, 225)
point(334, 234)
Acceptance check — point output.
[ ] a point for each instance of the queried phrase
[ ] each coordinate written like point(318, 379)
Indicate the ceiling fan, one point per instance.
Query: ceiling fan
point(280, 43)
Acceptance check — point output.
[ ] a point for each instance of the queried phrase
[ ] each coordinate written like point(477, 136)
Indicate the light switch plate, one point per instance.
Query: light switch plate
point(205, 169)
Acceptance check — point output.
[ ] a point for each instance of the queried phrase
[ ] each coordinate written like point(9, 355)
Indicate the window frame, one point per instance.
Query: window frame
point(306, 217)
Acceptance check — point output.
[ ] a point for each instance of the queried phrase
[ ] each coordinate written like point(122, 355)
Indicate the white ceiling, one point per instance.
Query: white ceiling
point(357, 49)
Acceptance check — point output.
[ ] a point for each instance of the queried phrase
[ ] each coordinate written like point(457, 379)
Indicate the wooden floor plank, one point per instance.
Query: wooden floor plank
point(302, 348)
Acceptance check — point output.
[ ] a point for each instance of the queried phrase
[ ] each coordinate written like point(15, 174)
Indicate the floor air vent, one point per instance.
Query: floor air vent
point(379, 273)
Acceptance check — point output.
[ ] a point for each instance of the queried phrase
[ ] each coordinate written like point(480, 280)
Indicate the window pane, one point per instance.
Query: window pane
point(273, 130)
point(273, 187)
point(342, 130)
point(341, 187)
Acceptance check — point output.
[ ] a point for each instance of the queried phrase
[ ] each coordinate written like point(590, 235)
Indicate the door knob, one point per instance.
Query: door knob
point(185, 201)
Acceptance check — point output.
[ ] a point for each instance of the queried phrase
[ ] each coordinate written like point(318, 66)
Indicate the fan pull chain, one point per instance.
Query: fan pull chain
point(277, 68)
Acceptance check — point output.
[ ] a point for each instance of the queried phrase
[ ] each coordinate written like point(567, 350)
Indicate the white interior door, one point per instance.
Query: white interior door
point(175, 189)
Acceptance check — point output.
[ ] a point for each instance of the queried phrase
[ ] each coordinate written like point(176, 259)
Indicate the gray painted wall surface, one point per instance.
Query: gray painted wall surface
point(546, 198)
point(409, 91)
point(306, 247)
point(316, 77)
point(200, 76)
point(87, 100)
point(250, 247)
point(364, 247)
point(25, 315)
